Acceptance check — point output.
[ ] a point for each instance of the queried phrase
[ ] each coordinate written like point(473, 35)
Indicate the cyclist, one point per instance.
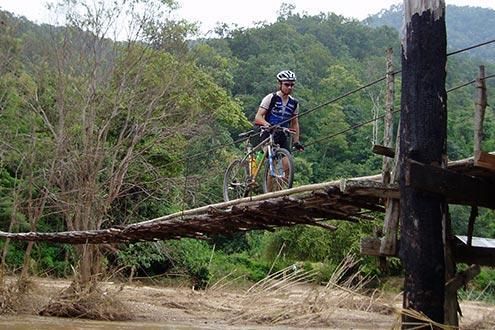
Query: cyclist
point(280, 108)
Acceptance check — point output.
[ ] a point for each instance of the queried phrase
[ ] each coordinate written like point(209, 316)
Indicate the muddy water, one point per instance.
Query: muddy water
point(24, 322)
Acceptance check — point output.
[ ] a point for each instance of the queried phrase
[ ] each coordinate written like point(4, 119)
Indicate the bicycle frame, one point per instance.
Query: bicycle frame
point(270, 145)
point(250, 156)
point(240, 178)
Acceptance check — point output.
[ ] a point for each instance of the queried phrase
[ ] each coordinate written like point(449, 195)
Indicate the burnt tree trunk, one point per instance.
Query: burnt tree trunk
point(423, 131)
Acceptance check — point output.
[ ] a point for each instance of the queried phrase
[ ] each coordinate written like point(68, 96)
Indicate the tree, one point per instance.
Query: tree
point(105, 111)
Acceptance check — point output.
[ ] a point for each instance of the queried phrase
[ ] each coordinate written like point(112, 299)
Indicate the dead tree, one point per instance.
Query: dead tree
point(423, 131)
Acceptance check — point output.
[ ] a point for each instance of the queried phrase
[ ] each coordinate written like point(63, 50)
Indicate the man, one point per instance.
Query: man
point(280, 108)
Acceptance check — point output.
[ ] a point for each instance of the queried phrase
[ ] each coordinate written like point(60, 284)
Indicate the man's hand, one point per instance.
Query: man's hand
point(298, 146)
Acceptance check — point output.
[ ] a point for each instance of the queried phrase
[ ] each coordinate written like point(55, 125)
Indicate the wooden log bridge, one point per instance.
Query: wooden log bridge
point(310, 205)
point(346, 199)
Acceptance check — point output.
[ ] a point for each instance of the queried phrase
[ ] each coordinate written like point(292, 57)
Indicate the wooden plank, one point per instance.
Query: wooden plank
point(383, 151)
point(456, 187)
point(485, 160)
point(370, 246)
point(390, 228)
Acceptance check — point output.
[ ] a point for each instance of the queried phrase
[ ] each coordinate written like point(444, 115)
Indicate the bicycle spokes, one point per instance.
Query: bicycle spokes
point(235, 183)
point(279, 172)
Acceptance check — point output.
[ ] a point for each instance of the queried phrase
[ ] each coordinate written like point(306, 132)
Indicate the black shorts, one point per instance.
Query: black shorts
point(279, 138)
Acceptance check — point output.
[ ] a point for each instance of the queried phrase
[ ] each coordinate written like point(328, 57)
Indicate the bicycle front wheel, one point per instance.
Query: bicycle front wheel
point(235, 180)
point(281, 174)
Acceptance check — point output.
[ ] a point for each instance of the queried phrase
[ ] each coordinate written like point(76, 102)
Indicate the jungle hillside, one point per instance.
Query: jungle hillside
point(122, 114)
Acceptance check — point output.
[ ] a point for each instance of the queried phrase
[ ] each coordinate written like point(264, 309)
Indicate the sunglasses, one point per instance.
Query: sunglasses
point(288, 84)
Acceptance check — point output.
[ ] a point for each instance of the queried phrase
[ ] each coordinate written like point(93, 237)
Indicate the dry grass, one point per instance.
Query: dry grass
point(13, 294)
point(422, 321)
point(88, 301)
point(293, 304)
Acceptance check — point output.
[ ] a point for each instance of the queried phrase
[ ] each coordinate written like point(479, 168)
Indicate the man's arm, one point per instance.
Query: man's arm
point(260, 117)
point(294, 125)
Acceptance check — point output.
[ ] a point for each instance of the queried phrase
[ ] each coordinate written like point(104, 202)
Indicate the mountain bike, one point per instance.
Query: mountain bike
point(267, 157)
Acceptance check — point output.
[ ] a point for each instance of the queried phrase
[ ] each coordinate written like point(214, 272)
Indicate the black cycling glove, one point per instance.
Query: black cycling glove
point(298, 146)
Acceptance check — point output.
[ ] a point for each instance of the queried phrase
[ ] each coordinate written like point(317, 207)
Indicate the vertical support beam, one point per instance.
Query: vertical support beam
point(451, 305)
point(389, 240)
point(423, 135)
point(479, 114)
point(389, 109)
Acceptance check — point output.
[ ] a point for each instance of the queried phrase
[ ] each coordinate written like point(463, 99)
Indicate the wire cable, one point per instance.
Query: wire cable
point(382, 116)
point(350, 128)
point(221, 146)
point(471, 47)
point(469, 83)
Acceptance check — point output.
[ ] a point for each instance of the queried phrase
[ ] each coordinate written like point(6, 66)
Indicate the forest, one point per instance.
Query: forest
point(123, 114)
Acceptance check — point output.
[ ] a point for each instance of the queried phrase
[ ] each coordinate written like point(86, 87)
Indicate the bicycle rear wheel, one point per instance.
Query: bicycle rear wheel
point(235, 180)
point(282, 175)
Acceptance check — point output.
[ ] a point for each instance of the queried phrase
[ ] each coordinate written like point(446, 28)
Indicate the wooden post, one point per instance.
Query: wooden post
point(451, 304)
point(479, 114)
point(389, 108)
point(423, 132)
point(388, 244)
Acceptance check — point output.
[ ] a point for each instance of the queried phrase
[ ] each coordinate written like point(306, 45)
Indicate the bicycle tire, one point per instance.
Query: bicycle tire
point(235, 180)
point(283, 178)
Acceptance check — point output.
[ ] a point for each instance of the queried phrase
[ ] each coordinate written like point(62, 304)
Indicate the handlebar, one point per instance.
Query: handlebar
point(270, 129)
point(275, 128)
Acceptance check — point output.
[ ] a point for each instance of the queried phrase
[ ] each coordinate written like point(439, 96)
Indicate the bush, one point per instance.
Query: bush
point(192, 257)
point(482, 287)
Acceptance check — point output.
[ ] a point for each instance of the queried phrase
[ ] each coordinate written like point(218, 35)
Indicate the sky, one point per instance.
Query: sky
point(246, 12)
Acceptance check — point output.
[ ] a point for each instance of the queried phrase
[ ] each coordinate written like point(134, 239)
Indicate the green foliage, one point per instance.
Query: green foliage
point(140, 255)
point(52, 260)
point(192, 257)
point(482, 287)
point(466, 26)
point(15, 254)
point(315, 244)
point(198, 96)
point(237, 265)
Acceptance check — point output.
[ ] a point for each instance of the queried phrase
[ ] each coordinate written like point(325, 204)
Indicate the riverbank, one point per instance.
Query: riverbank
point(276, 306)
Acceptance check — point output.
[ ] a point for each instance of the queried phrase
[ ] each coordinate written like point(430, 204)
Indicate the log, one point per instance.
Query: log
point(369, 188)
point(423, 132)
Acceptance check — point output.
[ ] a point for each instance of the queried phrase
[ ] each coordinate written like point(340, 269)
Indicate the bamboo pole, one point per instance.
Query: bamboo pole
point(479, 114)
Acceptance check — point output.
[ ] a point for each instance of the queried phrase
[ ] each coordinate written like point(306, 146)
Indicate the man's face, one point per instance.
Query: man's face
point(287, 86)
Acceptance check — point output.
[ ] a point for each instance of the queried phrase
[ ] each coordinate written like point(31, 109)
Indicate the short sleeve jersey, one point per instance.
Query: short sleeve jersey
point(281, 114)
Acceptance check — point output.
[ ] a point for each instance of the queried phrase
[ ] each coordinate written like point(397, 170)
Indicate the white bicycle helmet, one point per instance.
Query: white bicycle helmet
point(286, 75)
